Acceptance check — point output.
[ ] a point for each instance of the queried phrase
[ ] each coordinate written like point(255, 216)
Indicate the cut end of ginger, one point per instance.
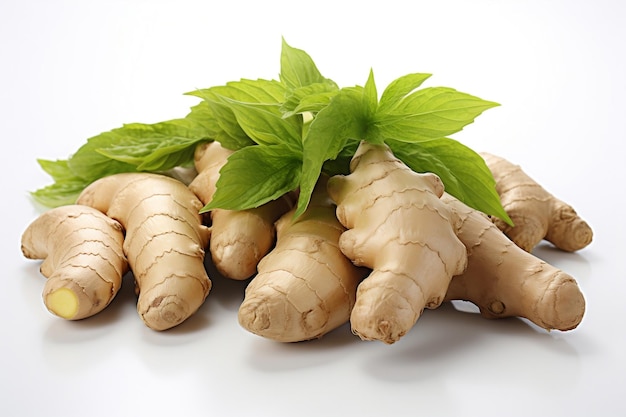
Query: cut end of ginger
point(63, 302)
point(568, 304)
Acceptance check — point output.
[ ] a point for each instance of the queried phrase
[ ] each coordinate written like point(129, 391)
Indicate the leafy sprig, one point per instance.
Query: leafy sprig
point(287, 132)
point(133, 147)
point(415, 123)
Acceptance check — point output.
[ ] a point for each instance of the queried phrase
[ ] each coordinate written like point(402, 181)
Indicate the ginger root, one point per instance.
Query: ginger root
point(82, 257)
point(399, 228)
point(305, 286)
point(536, 214)
point(164, 242)
point(239, 238)
point(504, 280)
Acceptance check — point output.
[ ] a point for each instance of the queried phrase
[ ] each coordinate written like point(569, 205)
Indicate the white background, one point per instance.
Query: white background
point(72, 69)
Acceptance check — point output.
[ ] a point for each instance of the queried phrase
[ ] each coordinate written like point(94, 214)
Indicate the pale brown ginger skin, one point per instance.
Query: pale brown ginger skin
point(536, 214)
point(305, 286)
point(239, 238)
point(504, 280)
point(82, 257)
point(399, 228)
point(164, 243)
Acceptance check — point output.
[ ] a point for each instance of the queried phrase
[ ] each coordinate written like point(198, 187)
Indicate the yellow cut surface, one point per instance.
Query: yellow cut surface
point(63, 302)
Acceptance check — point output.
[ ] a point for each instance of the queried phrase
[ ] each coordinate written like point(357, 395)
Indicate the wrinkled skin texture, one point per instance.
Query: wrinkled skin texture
point(164, 243)
point(504, 280)
point(398, 227)
point(82, 257)
point(239, 238)
point(536, 214)
point(305, 287)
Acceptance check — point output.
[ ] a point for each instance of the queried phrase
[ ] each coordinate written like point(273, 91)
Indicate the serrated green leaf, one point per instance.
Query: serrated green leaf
point(61, 193)
point(247, 90)
point(144, 152)
point(202, 115)
point(430, 113)
point(64, 190)
point(255, 175)
point(230, 135)
point(370, 96)
point(58, 170)
point(138, 147)
point(265, 125)
point(398, 89)
point(310, 98)
point(463, 172)
point(341, 164)
point(343, 119)
point(154, 147)
point(90, 165)
point(297, 69)
point(164, 158)
point(229, 132)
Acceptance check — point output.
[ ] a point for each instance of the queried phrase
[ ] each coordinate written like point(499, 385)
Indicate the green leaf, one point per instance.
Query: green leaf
point(153, 147)
point(89, 164)
point(203, 116)
point(138, 147)
point(310, 98)
point(230, 135)
point(254, 175)
point(265, 125)
point(430, 113)
point(130, 148)
point(341, 164)
point(370, 96)
point(219, 100)
point(463, 172)
point(247, 90)
point(171, 154)
point(297, 69)
point(60, 193)
point(58, 170)
point(66, 188)
point(398, 89)
point(343, 119)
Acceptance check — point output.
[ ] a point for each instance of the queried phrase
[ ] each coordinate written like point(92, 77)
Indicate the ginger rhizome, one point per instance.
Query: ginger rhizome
point(504, 280)
point(400, 228)
point(536, 213)
point(165, 242)
point(239, 238)
point(305, 287)
point(83, 259)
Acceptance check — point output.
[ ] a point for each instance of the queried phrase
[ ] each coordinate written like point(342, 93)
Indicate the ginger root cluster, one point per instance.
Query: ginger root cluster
point(374, 248)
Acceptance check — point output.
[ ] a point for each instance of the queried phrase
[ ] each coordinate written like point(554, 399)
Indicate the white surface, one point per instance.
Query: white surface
point(72, 69)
